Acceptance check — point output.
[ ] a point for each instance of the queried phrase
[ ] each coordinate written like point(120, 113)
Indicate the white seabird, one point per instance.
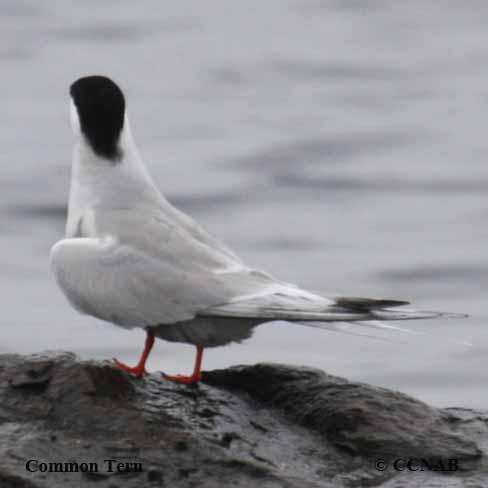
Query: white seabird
point(130, 258)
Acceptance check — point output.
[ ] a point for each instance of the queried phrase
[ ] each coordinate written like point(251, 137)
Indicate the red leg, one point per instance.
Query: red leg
point(195, 376)
point(140, 369)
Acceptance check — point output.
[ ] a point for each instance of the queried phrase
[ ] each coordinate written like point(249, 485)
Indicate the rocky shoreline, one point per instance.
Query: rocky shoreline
point(66, 422)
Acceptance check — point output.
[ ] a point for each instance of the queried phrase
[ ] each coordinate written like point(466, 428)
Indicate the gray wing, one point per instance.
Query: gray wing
point(153, 277)
point(299, 306)
point(160, 268)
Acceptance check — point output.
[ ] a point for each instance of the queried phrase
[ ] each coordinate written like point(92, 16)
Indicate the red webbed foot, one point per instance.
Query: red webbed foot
point(138, 371)
point(195, 377)
point(185, 380)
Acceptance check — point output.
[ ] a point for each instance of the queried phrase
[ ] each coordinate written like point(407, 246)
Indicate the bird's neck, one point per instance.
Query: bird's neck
point(87, 163)
point(100, 183)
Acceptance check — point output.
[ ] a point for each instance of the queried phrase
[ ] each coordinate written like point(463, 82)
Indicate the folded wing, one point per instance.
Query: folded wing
point(117, 283)
point(162, 273)
point(294, 307)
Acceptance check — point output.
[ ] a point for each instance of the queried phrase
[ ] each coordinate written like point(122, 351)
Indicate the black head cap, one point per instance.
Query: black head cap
point(101, 106)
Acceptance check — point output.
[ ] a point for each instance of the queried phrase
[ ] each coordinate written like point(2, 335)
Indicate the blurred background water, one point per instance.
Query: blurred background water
point(338, 145)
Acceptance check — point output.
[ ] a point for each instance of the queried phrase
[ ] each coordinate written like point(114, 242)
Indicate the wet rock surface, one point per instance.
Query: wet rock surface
point(266, 425)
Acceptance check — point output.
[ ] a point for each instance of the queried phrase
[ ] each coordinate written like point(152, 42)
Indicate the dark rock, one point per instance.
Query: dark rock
point(267, 425)
point(357, 418)
point(155, 475)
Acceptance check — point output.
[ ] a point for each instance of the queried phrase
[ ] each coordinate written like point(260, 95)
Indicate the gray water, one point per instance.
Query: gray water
point(339, 145)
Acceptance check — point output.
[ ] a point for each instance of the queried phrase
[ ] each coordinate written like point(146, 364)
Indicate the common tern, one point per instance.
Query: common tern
point(130, 258)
